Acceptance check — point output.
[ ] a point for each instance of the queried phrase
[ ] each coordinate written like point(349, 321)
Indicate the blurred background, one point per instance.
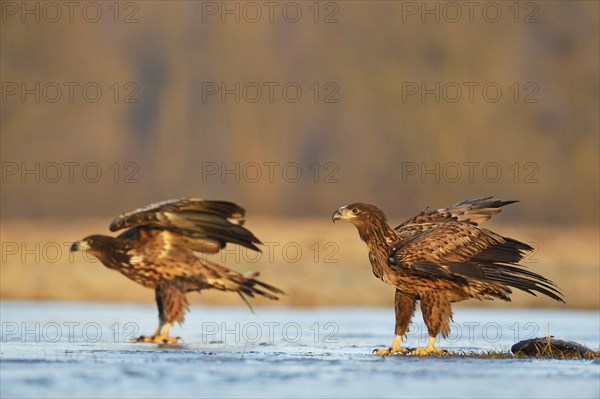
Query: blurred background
point(293, 109)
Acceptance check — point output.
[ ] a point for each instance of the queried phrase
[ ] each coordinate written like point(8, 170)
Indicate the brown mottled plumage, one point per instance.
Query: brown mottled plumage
point(161, 249)
point(443, 256)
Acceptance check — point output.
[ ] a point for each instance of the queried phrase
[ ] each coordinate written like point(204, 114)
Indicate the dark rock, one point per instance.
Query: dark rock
point(553, 348)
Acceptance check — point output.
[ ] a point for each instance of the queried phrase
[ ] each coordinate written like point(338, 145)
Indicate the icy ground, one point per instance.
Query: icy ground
point(54, 349)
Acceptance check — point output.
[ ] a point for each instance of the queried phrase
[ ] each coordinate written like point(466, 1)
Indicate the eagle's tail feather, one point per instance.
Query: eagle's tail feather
point(508, 274)
point(247, 285)
point(250, 286)
point(246, 302)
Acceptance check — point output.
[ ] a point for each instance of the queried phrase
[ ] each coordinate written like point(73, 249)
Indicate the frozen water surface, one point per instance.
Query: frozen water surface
point(54, 349)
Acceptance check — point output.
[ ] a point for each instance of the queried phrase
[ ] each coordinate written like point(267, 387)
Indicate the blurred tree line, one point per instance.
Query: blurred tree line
point(298, 118)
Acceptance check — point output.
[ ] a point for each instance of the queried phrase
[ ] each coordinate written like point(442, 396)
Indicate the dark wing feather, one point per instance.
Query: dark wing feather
point(461, 252)
point(510, 275)
point(152, 213)
point(207, 225)
point(473, 211)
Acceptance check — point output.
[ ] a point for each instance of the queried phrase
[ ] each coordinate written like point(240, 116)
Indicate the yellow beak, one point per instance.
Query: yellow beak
point(342, 214)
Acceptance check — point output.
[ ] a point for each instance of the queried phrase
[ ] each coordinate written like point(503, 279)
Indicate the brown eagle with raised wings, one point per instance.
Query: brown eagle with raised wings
point(443, 256)
point(163, 249)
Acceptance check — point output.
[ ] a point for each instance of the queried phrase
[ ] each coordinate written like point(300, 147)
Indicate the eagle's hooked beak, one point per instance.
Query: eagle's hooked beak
point(335, 216)
point(341, 214)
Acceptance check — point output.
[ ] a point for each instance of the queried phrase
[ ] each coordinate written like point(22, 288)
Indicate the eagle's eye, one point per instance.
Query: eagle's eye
point(355, 210)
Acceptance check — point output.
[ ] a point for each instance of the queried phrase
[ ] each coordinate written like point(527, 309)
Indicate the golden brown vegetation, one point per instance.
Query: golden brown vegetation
point(336, 274)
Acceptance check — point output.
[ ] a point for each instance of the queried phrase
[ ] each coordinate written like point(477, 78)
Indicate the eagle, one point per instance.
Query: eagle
point(164, 248)
point(443, 256)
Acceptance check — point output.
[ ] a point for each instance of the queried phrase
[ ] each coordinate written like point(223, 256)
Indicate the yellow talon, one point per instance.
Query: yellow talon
point(392, 350)
point(166, 340)
point(430, 349)
point(157, 337)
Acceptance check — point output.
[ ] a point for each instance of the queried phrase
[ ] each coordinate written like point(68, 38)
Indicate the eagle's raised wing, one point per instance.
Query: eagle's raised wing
point(206, 226)
point(473, 211)
point(461, 252)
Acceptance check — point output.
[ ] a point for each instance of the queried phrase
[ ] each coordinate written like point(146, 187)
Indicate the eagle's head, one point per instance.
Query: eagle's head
point(102, 247)
point(113, 252)
point(358, 213)
point(91, 243)
point(369, 220)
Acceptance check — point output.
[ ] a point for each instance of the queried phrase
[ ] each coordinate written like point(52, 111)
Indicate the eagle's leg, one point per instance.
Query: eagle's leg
point(437, 314)
point(172, 304)
point(405, 307)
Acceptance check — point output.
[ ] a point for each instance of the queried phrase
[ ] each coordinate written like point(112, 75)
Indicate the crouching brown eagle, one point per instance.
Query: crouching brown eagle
point(443, 256)
point(163, 249)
